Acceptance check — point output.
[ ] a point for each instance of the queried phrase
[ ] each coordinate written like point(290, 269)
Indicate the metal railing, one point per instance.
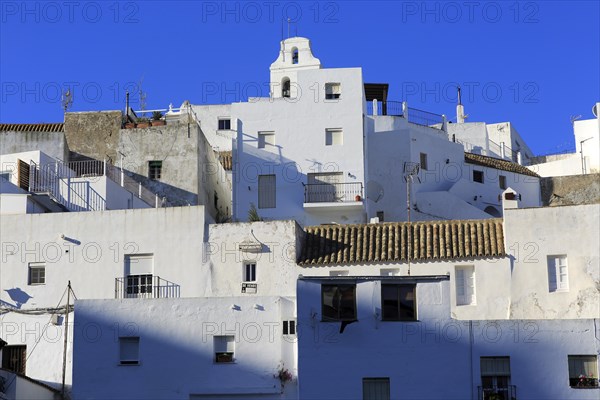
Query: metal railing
point(145, 286)
point(393, 108)
point(87, 168)
point(497, 393)
point(333, 192)
point(118, 176)
point(425, 118)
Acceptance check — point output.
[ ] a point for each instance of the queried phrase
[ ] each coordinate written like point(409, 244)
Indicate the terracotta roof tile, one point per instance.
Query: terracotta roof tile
point(52, 127)
point(388, 242)
point(226, 160)
point(496, 163)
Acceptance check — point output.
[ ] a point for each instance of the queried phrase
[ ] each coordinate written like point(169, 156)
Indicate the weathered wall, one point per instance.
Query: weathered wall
point(51, 143)
point(93, 134)
point(569, 190)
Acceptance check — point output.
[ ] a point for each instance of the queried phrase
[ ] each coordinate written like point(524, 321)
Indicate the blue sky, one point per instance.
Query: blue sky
point(534, 64)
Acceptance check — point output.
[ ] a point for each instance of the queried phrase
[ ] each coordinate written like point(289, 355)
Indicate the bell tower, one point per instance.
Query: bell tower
point(295, 55)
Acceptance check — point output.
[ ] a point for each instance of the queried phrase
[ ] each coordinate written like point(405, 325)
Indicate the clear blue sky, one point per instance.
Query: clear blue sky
point(534, 64)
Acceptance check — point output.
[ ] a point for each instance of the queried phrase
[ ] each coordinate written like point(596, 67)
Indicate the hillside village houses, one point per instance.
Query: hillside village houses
point(296, 246)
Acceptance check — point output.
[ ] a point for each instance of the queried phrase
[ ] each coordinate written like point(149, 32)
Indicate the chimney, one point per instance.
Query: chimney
point(460, 110)
point(510, 199)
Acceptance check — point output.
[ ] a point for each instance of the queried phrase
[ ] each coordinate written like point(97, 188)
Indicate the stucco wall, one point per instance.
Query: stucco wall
point(51, 143)
point(93, 134)
point(531, 235)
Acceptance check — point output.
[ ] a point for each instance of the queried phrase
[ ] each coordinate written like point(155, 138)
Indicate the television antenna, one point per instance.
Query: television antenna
point(67, 99)
point(411, 169)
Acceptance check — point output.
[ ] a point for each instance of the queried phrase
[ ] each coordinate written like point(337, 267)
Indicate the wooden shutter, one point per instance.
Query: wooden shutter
point(23, 174)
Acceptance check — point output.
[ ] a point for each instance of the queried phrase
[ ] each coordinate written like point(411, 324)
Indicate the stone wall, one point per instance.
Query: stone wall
point(94, 134)
point(569, 190)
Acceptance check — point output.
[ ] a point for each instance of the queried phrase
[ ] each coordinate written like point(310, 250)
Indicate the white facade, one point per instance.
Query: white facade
point(430, 356)
point(95, 251)
point(177, 346)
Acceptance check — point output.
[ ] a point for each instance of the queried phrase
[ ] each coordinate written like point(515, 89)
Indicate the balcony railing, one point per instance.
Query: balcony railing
point(425, 118)
point(333, 192)
point(498, 393)
point(146, 286)
point(393, 108)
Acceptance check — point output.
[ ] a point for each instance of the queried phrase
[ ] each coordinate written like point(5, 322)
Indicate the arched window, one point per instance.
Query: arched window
point(285, 87)
point(294, 56)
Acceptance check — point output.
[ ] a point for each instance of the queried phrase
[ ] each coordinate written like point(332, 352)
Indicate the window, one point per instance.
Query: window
point(398, 302)
point(154, 170)
point(224, 348)
point(285, 87)
point(14, 358)
point(289, 327)
point(502, 181)
point(495, 376)
point(326, 187)
point(376, 389)
point(266, 138)
point(558, 274)
point(423, 161)
point(37, 273)
point(338, 302)
point(138, 275)
point(380, 216)
point(465, 285)
point(583, 371)
point(478, 176)
point(224, 124)
point(266, 191)
point(333, 91)
point(294, 56)
point(334, 137)
point(249, 272)
point(129, 350)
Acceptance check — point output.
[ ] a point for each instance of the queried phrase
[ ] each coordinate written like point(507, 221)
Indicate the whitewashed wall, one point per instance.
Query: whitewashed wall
point(176, 350)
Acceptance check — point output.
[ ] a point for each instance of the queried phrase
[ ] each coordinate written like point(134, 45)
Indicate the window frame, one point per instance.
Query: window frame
point(262, 143)
point(370, 380)
point(289, 327)
point(224, 357)
point(582, 381)
point(339, 310)
point(555, 282)
point(225, 121)
point(423, 161)
point(399, 306)
point(264, 203)
point(479, 173)
point(502, 182)
point(36, 266)
point(470, 291)
point(249, 272)
point(131, 340)
point(331, 134)
point(153, 167)
point(330, 94)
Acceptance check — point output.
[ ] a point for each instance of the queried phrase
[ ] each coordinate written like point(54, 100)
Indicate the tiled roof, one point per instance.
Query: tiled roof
point(496, 163)
point(226, 160)
point(53, 127)
point(388, 242)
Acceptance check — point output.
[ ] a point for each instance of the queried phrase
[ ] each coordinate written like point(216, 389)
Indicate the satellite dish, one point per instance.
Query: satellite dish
point(595, 110)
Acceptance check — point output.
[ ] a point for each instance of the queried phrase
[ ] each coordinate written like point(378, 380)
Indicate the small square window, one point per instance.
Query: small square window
point(423, 161)
point(502, 182)
point(249, 272)
point(478, 176)
point(376, 389)
point(224, 124)
point(224, 347)
point(398, 302)
point(583, 371)
point(154, 170)
point(37, 273)
point(334, 137)
point(333, 91)
point(266, 139)
point(338, 302)
point(289, 327)
point(129, 348)
point(380, 216)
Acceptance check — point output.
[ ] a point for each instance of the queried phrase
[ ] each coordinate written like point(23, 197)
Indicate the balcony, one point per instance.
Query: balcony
point(497, 393)
point(329, 196)
point(145, 286)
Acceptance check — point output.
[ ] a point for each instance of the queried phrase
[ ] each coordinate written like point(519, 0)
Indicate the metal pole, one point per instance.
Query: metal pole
point(408, 182)
point(64, 370)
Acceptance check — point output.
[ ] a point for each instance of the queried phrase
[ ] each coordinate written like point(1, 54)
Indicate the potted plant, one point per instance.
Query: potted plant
point(157, 118)
point(357, 197)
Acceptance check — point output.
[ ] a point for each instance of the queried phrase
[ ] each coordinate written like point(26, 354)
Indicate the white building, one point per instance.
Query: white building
point(141, 253)
point(385, 337)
